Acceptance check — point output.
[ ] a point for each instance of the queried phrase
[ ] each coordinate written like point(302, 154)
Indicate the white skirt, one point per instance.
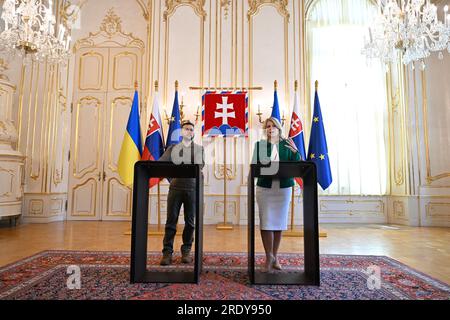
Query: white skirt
point(273, 205)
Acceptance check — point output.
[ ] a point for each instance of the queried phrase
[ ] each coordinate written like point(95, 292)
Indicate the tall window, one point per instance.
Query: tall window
point(352, 93)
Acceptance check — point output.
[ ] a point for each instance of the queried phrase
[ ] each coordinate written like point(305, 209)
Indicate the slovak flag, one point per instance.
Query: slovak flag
point(296, 134)
point(154, 144)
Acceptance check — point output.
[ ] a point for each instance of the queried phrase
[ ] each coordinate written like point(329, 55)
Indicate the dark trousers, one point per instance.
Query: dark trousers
point(175, 199)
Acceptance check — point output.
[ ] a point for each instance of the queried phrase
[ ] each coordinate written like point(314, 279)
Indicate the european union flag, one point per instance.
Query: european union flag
point(174, 135)
point(318, 150)
point(276, 107)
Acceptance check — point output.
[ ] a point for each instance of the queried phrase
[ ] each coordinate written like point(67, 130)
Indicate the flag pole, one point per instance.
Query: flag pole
point(225, 225)
point(158, 230)
point(292, 232)
point(321, 233)
point(128, 233)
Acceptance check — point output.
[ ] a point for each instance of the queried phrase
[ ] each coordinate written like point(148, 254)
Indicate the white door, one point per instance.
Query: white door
point(102, 103)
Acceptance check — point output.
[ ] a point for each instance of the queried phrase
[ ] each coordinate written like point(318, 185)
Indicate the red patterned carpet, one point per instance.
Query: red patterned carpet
point(105, 275)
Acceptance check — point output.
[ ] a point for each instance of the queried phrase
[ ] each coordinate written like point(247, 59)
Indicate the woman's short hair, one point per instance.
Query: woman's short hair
point(277, 124)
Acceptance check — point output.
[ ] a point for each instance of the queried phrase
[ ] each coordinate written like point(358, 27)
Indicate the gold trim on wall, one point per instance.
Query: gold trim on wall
point(111, 27)
point(115, 63)
point(81, 70)
point(379, 204)
point(197, 5)
point(77, 120)
point(254, 9)
point(417, 133)
point(39, 210)
point(145, 8)
point(171, 6)
point(430, 178)
point(398, 209)
point(45, 136)
point(429, 207)
point(59, 209)
point(230, 203)
point(12, 176)
point(36, 174)
point(396, 110)
point(59, 174)
point(256, 5)
point(21, 95)
point(32, 67)
point(231, 167)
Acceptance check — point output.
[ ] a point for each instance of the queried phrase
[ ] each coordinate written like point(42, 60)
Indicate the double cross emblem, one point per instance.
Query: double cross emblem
point(224, 114)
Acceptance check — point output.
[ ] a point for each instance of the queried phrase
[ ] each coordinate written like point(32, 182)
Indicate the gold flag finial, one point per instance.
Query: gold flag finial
point(317, 85)
point(275, 85)
point(176, 85)
point(136, 85)
point(296, 85)
point(156, 85)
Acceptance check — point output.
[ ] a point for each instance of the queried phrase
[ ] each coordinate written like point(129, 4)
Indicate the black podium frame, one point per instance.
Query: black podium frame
point(311, 275)
point(143, 171)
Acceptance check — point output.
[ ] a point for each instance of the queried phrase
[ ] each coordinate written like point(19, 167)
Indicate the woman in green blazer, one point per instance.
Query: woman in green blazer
point(273, 195)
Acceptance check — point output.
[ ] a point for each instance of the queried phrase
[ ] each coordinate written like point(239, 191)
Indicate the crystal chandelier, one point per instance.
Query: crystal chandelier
point(411, 27)
point(30, 32)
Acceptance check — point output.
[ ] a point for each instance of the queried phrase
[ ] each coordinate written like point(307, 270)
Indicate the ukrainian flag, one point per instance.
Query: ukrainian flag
point(131, 150)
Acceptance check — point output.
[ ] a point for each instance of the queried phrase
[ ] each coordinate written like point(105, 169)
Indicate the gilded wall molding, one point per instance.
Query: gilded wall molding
point(12, 175)
point(145, 8)
point(197, 5)
point(430, 178)
point(111, 27)
point(437, 210)
point(58, 174)
point(351, 207)
point(280, 5)
point(225, 4)
point(4, 67)
point(395, 101)
point(36, 207)
point(398, 209)
point(232, 208)
point(92, 102)
point(254, 8)
point(230, 166)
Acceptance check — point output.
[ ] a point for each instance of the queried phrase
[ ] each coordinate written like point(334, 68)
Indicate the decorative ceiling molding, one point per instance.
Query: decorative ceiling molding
point(197, 5)
point(110, 34)
point(280, 5)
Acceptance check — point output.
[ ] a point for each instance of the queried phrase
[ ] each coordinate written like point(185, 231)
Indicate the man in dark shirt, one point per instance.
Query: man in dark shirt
point(181, 192)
